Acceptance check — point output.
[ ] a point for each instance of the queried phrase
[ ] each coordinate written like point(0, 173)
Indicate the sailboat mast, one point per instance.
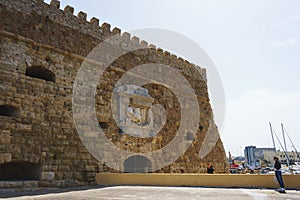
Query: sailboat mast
point(272, 136)
point(286, 155)
point(291, 142)
point(284, 141)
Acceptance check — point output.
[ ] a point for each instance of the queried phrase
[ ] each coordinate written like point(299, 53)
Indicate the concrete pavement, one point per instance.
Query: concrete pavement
point(165, 193)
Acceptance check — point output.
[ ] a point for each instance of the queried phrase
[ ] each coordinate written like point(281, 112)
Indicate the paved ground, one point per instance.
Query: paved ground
point(166, 193)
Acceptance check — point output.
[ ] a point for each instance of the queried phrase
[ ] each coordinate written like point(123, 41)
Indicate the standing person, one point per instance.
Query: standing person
point(277, 168)
point(210, 169)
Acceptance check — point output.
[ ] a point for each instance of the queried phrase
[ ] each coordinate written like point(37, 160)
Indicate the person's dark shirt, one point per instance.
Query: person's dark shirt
point(210, 170)
point(277, 165)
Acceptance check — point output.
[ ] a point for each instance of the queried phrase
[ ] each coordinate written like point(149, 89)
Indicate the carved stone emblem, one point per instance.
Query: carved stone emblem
point(134, 115)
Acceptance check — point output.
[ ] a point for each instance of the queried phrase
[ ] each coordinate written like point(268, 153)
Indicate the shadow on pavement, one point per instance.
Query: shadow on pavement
point(11, 194)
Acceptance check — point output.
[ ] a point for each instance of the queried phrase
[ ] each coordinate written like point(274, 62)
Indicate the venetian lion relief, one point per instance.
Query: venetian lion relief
point(135, 113)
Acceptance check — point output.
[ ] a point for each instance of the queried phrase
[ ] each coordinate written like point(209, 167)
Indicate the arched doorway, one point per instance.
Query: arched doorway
point(137, 164)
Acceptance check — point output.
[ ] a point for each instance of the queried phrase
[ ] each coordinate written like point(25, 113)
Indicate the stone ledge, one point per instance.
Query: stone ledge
point(18, 184)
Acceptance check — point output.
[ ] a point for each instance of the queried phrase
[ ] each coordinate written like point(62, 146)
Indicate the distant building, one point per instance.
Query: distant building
point(255, 156)
point(293, 156)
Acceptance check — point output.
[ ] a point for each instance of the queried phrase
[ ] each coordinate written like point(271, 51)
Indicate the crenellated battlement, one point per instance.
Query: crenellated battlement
point(65, 17)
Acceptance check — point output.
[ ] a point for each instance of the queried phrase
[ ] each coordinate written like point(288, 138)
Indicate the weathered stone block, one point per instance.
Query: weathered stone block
point(48, 176)
point(5, 157)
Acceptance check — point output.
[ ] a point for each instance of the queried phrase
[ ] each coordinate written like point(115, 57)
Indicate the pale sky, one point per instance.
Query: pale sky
point(253, 44)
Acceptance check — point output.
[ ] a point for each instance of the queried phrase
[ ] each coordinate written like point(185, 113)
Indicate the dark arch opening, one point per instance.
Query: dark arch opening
point(201, 128)
point(137, 164)
point(14, 171)
point(104, 125)
point(9, 111)
point(41, 73)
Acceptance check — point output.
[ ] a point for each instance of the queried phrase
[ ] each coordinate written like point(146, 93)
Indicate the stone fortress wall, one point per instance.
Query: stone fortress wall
point(41, 49)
